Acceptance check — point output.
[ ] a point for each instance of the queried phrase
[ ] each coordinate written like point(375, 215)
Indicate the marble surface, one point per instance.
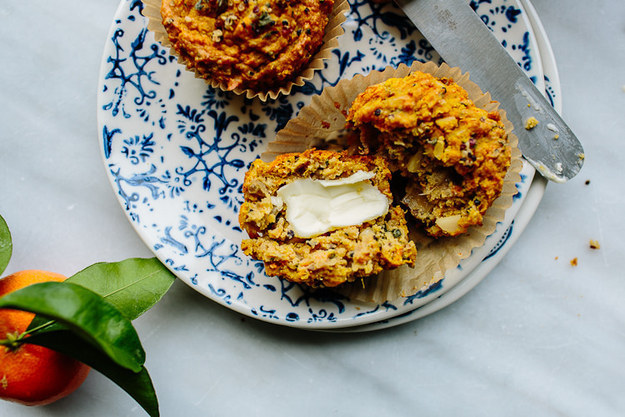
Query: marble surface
point(537, 337)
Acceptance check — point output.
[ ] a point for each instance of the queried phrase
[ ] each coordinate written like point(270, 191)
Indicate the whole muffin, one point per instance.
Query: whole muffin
point(253, 45)
point(340, 252)
point(452, 155)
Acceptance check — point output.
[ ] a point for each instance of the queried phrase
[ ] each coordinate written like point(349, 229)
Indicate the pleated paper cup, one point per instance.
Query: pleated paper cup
point(321, 125)
point(334, 29)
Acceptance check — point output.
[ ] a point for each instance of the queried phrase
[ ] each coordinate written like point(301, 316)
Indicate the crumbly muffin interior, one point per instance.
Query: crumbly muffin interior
point(453, 154)
point(342, 255)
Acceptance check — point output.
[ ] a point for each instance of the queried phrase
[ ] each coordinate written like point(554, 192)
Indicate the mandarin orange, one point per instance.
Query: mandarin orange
point(31, 374)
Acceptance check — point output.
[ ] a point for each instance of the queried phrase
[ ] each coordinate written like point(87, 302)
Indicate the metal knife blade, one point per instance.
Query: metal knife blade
point(463, 40)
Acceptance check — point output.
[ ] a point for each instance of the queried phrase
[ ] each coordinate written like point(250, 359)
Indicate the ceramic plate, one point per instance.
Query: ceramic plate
point(176, 151)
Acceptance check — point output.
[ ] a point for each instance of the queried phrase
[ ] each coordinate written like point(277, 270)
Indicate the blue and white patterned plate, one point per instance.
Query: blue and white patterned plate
point(176, 151)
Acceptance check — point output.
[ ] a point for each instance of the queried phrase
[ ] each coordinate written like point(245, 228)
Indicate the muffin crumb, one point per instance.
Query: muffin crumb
point(531, 123)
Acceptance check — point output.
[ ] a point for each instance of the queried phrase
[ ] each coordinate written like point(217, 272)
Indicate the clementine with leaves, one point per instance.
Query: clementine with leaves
point(31, 374)
point(50, 327)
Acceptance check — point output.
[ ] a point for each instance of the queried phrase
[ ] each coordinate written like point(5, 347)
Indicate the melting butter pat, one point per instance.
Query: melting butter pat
point(314, 207)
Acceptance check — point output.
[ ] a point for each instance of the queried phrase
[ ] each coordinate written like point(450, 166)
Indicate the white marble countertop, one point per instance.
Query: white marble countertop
point(537, 337)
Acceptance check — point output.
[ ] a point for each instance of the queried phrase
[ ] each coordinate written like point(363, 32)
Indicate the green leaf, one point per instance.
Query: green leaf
point(87, 314)
point(133, 285)
point(6, 245)
point(137, 385)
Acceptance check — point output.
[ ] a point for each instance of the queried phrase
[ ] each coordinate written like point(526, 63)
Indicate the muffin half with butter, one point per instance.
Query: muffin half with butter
point(323, 218)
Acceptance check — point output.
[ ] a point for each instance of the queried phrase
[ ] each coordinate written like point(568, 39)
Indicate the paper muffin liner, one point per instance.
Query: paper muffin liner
point(334, 29)
point(322, 123)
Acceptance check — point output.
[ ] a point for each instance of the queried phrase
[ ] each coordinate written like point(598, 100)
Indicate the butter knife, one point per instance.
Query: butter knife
point(461, 38)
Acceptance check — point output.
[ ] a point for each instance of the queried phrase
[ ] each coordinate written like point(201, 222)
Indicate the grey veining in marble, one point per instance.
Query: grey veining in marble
point(538, 337)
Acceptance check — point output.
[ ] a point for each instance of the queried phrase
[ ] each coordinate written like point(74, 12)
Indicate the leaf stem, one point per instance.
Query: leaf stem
point(36, 329)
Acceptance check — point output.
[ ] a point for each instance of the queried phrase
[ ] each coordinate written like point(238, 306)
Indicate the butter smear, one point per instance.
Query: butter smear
point(314, 207)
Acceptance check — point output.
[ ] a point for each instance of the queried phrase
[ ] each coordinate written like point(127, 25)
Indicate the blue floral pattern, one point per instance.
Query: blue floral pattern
point(176, 151)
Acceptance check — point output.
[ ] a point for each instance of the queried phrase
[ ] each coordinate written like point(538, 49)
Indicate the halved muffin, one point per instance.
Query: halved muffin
point(452, 154)
point(323, 218)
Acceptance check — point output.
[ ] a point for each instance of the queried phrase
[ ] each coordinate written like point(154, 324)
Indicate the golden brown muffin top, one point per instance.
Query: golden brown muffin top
point(255, 44)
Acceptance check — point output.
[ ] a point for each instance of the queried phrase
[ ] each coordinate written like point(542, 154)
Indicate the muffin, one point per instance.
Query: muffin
point(257, 45)
point(452, 155)
point(322, 124)
point(323, 218)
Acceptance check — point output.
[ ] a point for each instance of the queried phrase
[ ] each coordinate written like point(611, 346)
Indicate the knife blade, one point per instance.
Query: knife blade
point(461, 38)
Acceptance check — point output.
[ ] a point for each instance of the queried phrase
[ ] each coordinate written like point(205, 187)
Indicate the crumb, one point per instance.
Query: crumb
point(587, 182)
point(594, 244)
point(556, 137)
point(556, 258)
point(531, 123)
point(581, 156)
point(574, 262)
